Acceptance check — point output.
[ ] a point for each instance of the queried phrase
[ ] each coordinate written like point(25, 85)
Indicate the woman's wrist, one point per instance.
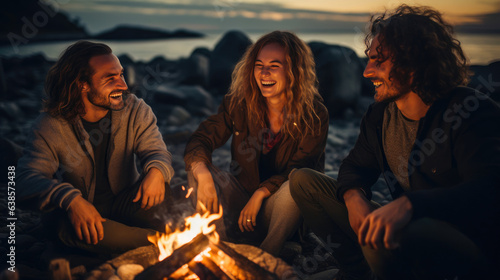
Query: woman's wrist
point(262, 192)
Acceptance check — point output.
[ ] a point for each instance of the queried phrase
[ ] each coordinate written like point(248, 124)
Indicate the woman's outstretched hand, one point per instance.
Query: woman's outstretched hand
point(206, 193)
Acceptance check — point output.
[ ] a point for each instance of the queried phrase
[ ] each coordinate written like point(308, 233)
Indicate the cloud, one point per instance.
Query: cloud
point(217, 15)
point(486, 23)
point(222, 15)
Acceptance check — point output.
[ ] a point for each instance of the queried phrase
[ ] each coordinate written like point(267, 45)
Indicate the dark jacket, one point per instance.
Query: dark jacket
point(454, 165)
point(246, 147)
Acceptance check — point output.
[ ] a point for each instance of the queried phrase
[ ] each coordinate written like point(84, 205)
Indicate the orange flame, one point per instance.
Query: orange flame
point(194, 225)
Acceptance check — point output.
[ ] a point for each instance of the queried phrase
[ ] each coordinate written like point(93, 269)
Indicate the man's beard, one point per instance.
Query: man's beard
point(400, 91)
point(105, 102)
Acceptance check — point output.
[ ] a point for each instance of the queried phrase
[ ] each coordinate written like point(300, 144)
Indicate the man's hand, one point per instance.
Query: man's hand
point(248, 216)
point(358, 207)
point(206, 193)
point(152, 189)
point(381, 227)
point(86, 221)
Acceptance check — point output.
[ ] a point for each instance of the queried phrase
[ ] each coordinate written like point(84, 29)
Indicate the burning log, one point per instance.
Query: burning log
point(203, 272)
point(179, 257)
point(208, 260)
point(59, 269)
point(238, 265)
point(196, 251)
point(210, 266)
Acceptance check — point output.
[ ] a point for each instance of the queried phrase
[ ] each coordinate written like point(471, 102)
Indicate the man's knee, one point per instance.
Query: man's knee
point(428, 231)
point(118, 238)
point(299, 180)
point(306, 183)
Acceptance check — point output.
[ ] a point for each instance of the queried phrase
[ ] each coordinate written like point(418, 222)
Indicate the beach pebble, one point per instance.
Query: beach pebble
point(199, 101)
point(10, 110)
point(25, 241)
point(9, 275)
point(129, 271)
point(178, 116)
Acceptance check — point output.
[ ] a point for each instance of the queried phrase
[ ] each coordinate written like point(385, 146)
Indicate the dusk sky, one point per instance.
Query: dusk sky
point(260, 16)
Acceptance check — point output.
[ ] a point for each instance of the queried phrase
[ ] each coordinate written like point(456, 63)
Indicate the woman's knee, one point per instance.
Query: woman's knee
point(282, 199)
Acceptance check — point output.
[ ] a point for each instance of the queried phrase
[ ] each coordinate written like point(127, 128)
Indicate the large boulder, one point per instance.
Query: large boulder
point(367, 88)
point(224, 57)
point(194, 99)
point(125, 60)
point(25, 72)
point(340, 74)
point(168, 94)
point(486, 79)
point(148, 76)
point(10, 153)
point(3, 82)
point(194, 70)
point(128, 66)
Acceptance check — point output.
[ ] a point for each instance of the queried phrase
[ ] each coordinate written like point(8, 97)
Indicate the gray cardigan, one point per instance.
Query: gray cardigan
point(58, 161)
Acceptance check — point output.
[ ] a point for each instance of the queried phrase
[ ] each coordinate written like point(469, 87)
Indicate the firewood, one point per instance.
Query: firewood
point(59, 269)
point(180, 274)
point(202, 271)
point(177, 259)
point(239, 266)
point(215, 269)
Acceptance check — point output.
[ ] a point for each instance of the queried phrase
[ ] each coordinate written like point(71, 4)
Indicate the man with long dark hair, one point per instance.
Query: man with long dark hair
point(80, 159)
point(437, 144)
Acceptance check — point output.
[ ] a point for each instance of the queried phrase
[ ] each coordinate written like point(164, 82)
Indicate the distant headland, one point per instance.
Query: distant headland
point(36, 21)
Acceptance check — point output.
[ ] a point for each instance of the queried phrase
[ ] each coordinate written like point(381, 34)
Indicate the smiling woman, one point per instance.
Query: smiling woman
point(278, 123)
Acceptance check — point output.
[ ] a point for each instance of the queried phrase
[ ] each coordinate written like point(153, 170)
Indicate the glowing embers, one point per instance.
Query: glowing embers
point(196, 253)
point(194, 225)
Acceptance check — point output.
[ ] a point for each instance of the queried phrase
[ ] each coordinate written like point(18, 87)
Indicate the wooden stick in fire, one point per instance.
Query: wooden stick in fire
point(207, 270)
point(238, 265)
point(178, 258)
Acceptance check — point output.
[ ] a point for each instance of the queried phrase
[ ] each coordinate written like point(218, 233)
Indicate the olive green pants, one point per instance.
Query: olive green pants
point(429, 248)
point(127, 225)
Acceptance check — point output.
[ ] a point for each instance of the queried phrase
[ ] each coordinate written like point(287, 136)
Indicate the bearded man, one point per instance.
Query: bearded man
point(80, 158)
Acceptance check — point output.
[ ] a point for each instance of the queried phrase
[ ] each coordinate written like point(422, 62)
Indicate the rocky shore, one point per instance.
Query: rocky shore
point(182, 93)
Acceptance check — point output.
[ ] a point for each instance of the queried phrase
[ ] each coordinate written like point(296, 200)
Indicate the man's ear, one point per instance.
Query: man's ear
point(84, 87)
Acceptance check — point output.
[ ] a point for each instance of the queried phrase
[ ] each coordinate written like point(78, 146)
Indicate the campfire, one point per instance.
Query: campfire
point(195, 252)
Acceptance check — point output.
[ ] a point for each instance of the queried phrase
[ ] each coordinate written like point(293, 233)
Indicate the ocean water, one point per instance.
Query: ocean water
point(479, 48)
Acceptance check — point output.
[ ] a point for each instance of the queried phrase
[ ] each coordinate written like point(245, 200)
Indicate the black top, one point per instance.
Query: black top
point(99, 135)
point(267, 161)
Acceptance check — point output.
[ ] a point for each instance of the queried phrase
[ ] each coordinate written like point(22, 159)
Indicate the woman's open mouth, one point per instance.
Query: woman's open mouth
point(268, 83)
